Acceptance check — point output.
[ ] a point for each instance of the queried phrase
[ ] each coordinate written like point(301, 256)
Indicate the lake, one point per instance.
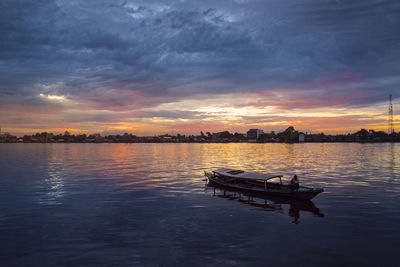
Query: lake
point(147, 204)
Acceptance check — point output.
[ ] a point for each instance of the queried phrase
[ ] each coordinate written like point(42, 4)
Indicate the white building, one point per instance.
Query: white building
point(254, 133)
point(301, 137)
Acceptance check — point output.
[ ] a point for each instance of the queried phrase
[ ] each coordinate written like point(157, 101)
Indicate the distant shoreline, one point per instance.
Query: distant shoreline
point(290, 135)
point(207, 142)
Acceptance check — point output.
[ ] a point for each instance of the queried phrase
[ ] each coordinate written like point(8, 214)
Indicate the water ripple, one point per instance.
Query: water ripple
point(147, 204)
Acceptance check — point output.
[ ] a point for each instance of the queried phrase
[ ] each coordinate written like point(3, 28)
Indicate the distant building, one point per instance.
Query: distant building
point(38, 139)
point(7, 137)
point(254, 134)
point(166, 138)
point(99, 139)
point(301, 137)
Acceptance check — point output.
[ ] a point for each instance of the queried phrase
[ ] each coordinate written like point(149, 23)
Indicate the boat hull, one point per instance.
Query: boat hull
point(296, 205)
point(305, 195)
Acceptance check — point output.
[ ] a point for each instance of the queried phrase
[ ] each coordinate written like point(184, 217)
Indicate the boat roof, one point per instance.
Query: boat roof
point(246, 175)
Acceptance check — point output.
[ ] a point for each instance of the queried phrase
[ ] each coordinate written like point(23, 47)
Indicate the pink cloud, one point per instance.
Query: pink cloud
point(323, 92)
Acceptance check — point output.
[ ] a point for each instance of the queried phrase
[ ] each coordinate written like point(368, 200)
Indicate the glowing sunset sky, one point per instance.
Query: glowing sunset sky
point(150, 67)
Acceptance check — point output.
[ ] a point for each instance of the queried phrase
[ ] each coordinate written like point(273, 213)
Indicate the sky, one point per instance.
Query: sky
point(154, 67)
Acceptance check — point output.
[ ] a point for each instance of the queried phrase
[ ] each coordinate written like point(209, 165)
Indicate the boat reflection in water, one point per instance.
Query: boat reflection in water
point(265, 202)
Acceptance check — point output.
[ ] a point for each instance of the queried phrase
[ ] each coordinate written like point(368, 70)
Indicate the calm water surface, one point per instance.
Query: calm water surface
point(147, 204)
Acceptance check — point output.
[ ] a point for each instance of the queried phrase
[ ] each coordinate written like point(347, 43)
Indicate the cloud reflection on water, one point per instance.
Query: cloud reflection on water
point(179, 167)
point(119, 200)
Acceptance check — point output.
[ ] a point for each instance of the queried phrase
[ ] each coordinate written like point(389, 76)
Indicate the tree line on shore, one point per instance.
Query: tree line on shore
point(290, 135)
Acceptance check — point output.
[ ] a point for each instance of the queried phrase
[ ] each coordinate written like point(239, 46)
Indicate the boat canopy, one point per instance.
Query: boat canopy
point(245, 175)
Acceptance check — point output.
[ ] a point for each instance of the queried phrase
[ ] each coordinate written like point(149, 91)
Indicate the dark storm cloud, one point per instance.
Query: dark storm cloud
point(172, 49)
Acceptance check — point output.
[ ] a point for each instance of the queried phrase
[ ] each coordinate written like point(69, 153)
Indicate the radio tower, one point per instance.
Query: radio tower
point(390, 126)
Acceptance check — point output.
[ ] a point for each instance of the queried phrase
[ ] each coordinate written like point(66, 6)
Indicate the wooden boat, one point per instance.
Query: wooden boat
point(259, 183)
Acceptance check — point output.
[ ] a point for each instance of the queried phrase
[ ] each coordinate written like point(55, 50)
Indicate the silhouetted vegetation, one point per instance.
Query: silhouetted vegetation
point(290, 135)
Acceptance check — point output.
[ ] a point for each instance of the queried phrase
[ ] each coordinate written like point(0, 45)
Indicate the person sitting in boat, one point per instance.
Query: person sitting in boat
point(294, 183)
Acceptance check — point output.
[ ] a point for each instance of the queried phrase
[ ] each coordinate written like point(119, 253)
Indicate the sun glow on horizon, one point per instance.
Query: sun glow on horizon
point(208, 113)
